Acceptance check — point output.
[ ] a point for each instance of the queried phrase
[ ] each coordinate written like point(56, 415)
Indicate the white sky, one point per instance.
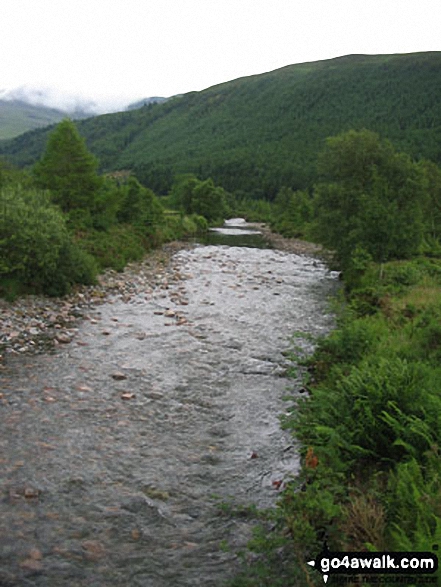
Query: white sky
point(117, 51)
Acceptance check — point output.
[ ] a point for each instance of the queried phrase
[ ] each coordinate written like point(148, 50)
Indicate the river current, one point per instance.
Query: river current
point(118, 451)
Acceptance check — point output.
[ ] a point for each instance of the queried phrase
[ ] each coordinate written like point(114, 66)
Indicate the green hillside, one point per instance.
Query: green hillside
point(18, 117)
point(258, 133)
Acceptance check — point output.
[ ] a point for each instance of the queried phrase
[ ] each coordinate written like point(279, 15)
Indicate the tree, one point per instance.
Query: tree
point(371, 198)
point(432, 208)
point(68, 170)
point(293, 212)
point(36, 249)
point(194, 196)
point(209, 201)
point(139, 206)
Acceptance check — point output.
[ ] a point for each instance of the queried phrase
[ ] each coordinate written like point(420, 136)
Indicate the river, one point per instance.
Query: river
point(118, 450)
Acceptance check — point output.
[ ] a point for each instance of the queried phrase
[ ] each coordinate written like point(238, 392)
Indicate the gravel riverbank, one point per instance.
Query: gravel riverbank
point(34, 324)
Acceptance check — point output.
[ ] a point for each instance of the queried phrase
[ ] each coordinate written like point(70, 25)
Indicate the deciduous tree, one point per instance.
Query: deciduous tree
point(370, 197)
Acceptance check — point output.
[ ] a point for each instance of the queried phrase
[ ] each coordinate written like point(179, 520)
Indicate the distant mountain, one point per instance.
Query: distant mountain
point(17, 117)
point(24, 109)
point(258, 133)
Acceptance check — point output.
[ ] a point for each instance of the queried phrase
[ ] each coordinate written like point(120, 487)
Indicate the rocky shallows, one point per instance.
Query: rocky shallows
point(162, 402)
point(35, 324)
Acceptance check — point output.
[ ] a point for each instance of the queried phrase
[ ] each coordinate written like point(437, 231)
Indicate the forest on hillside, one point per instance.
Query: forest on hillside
point(358, 173)
point(255, 135)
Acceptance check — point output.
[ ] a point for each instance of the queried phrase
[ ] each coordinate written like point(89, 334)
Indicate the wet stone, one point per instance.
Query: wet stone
point(130, 486)
point(63, 338)
point(119, 376)
point(32, 566)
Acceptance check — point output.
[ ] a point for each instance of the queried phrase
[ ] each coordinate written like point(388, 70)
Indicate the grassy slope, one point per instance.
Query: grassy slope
point(260, 132)
point(18, 117)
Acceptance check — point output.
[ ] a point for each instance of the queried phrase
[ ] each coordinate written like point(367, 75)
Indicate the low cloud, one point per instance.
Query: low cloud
point(61, 100)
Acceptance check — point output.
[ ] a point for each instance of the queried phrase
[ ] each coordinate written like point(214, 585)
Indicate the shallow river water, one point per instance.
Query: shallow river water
point(117, 450)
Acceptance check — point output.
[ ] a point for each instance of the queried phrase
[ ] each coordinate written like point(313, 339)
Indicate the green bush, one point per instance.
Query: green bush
point(204, 198)
point(116, 247)
point(402, 274)
point(75, 265)
point(347, 345)
point(382, 411)
point(373, 419)
point(139, 206)
point(413, 498)
point(36, 250)
point(200, 222)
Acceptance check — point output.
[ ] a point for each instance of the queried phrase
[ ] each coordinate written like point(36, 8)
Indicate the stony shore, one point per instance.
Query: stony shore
point(34, 324)
point(289, 245)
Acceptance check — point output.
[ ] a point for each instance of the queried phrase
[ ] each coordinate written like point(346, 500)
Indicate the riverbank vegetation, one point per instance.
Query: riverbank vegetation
point(368, 417)
point(62, 222)
point(368, 423)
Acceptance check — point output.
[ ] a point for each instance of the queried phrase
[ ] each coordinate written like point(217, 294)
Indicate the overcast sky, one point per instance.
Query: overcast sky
point(117, 51)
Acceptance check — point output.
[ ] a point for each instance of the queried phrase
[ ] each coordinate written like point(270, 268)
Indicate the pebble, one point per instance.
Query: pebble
point(30, 564)
point(63, 338)
point(118, 376)
point(31, 493)
point(35, 324)
point(128, 395)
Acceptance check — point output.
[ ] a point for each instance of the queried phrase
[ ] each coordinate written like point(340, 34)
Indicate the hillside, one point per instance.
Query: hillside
point(258, 133)
point(146, 102)
point(17, 117)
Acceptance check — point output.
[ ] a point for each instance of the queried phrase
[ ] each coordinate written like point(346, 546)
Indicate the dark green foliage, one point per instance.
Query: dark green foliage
point(115, 247)
point(372, 419)
point(263, 132)
point(371, 198)
point(68, 170)
point(203, 198)
point(416, 489)
point(292, 213)
point(98, 222)
point(36, 249)
point(252, 210)
point(380, 411)
point(432, 202)
point(139, 206)
point(9, 174)
point(347, 345)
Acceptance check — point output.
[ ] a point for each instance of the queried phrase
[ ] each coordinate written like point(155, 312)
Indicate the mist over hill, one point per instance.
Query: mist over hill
point(17, 117)
point(27, 108)
point(255, 134)
point(146, 102)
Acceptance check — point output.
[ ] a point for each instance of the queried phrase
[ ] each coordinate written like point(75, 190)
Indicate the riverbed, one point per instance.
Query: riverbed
point(120, 450)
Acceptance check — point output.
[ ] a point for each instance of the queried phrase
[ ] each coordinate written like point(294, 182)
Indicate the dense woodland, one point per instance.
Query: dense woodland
point(344, 152)
point(257, 134)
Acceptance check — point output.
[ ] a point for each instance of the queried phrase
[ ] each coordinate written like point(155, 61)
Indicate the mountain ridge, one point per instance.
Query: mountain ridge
point(17, 117)
point(257, 133)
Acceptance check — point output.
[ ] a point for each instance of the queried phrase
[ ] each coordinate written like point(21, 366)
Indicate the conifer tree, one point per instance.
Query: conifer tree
point(68, 169)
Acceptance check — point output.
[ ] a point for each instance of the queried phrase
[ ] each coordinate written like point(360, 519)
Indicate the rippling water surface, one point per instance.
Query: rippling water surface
point(118, 449)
